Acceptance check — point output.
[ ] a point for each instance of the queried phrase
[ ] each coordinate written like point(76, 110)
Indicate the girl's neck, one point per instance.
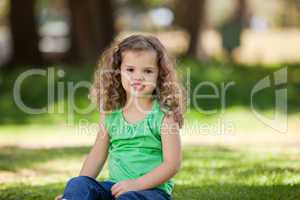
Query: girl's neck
point(138, 104)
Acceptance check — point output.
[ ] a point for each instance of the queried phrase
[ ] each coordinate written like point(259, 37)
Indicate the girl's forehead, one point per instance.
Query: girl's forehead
point(139, 58)
point(142, 54)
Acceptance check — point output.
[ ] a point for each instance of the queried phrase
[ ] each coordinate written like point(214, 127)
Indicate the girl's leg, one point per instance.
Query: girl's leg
point(150, 194)
point(87, 188)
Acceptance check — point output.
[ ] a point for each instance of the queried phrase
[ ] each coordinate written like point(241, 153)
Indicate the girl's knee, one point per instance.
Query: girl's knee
point(79, 187)
point(78, 183)
point(78, 180)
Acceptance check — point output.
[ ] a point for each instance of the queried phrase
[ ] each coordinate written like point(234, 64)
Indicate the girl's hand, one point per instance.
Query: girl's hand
point(124, 186)
point(59, 197)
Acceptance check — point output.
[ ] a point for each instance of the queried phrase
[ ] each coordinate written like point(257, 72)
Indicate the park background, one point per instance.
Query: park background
point(229, 153)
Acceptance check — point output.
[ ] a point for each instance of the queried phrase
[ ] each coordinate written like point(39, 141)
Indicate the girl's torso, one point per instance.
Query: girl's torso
point(135, 148)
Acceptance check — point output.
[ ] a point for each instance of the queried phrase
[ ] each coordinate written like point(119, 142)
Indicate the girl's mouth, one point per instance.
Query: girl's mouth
point(138, 86)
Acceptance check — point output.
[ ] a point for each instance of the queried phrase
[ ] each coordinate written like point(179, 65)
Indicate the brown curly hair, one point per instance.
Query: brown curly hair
point(108, 92)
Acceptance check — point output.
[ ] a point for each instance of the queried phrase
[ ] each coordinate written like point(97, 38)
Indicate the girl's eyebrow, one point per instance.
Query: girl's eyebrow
point(149, 67)
point(129, 66)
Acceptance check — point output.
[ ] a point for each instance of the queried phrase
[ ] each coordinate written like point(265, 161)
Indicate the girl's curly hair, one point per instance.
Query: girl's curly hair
point(107, 90)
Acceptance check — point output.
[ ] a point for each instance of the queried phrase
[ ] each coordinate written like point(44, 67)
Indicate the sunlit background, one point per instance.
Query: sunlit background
point(238, 144)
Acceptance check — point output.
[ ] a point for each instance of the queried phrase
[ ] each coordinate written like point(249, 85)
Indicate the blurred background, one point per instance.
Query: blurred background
point(230, 149)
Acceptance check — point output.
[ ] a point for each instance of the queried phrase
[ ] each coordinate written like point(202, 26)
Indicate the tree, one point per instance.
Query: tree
point(190, 14)
point(232, 29)
point(92, 29)
point(25, 38)
point(242, 13)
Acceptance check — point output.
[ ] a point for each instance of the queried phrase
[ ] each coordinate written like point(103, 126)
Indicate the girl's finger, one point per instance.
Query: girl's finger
point(58, 197)
point(115, 190)
point(119, 193)
point(114, 186)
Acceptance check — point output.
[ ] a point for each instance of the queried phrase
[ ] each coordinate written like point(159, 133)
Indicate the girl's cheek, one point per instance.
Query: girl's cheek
point(126, 78)
point(125, 83)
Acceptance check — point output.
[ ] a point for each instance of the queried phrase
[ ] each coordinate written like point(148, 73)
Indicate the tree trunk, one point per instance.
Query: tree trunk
point(242, 13)
point(25, 38)
point(105, 23)
point(92, 29)
point(190, 16)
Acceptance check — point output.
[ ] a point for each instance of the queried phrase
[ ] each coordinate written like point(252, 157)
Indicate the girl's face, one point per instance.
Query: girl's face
point(139, 72)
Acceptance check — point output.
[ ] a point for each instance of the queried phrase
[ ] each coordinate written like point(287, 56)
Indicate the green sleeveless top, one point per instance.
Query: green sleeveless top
point(135, 148)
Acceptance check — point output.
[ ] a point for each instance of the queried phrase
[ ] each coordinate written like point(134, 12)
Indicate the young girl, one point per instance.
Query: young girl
point(141, 111)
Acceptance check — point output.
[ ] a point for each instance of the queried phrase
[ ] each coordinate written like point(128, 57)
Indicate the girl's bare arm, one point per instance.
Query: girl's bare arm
point(172, 157)
point(96, 158)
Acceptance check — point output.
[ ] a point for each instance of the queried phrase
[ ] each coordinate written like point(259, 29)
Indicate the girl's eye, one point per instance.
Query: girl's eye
point(148, 71)
point(130, 70)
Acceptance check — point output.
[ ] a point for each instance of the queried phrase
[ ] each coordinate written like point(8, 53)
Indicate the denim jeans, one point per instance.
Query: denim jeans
point(87, 188)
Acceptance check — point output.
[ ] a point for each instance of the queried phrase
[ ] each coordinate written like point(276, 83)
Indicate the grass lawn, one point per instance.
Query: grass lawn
point(208, 172)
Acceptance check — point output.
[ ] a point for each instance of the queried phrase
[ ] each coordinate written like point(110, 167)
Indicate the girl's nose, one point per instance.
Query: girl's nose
point(138, 80)
point(138, 77)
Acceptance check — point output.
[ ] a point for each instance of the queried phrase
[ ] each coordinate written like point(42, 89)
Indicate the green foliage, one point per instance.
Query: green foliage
point(244, 78)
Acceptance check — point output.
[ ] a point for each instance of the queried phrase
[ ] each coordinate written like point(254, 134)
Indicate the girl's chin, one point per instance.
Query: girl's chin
point(137, 89)
point(137, 93)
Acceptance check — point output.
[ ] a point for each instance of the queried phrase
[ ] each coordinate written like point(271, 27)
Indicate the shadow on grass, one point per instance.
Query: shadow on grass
point(218, 173)
point(14, 158)
point(181, 192)
point(27, 192)
point(232, 191)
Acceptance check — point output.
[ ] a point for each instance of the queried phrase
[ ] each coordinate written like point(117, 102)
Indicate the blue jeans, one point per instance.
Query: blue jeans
point(87, 188)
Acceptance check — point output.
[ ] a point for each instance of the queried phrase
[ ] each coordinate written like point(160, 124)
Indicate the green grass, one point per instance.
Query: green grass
point(208, 172)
